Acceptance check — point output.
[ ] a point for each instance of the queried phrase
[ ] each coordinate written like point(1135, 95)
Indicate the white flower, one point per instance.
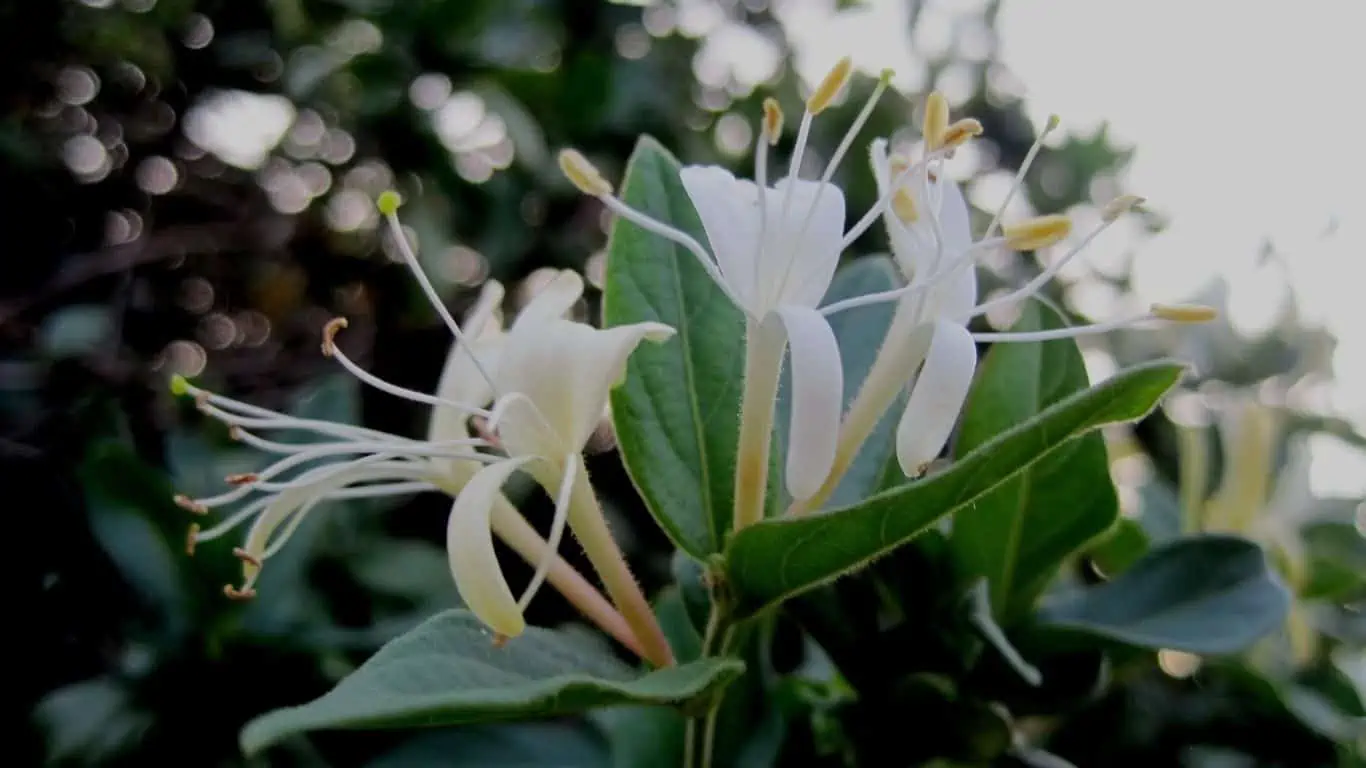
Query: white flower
point(928, 342)
point(774, 250)
point(450, 459)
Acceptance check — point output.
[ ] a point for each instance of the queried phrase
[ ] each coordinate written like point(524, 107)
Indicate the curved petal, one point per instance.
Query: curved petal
point(915, 244)
point(469, 548)
point(936, 397)
point(565, 371)
point(553, 300)
point(802, 247)
point(956, 298)
point(461, 380)
point(817, 395)
point(729, 210)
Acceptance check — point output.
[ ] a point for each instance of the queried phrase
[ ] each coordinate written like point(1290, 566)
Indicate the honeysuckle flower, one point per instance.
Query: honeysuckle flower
point(366, 463)
point(773, 251)
point(928, 341)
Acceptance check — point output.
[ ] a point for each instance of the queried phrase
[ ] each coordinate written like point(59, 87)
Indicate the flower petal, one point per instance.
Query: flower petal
point(565, 371)
point(817, 394)
point(936, 397)
point(469, 548)
point(461, 380)
point(803, 239)
point(553, 300)
point(729, 210)
point(915, 245)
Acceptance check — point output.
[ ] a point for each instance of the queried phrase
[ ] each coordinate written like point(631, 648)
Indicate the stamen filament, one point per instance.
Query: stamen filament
point(620, 208)
point(401, 242)
point(1062, 333)
point(1020, 174)
point(1040, 280)
point(881, 206)
point(557, 527)
point(404, 392)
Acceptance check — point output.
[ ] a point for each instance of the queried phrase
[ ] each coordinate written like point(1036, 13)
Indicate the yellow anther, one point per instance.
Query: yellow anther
point(903, 205)
point(190, 505)
point(1184, 313)
point(582, 174)
point(180, 386)
point(191, 538)
point(1036, 233)
point(957, 134)
point(246, 557)
point(936, 122)
point(330, 331)
point(388, 202)
point(233, 593)
point(1120, 206)
point(830, 87)
point(773, 120)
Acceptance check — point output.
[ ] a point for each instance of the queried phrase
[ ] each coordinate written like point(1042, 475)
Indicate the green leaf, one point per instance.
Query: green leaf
point(859, 332)
point(677, 413)
point(776, 559)
point(1209, 594)
point(448, 672)
point(1018, 534)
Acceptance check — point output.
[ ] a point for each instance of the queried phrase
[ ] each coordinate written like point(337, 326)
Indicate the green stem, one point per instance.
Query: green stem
point(700, 742)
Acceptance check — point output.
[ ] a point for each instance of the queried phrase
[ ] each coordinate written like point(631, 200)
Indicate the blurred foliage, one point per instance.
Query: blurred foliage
point(190, 185)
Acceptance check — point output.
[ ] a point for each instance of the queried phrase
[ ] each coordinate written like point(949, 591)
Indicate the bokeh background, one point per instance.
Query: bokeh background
point(188, 189)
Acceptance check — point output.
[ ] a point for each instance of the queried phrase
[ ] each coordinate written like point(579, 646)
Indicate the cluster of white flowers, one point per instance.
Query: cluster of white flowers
point(538, 390)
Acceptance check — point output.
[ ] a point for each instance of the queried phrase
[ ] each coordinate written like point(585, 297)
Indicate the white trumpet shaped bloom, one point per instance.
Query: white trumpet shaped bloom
point(365, 463)
point(773, 251)
point(928, 346)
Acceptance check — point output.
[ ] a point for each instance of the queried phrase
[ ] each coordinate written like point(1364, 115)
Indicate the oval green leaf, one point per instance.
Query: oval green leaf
point(773, 560)
point(677, 412)
point(1017, 535)
point(448, 672)
point(1211, 594)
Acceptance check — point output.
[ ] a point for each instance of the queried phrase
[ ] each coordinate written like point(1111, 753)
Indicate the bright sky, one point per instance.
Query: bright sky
point(1246, 119)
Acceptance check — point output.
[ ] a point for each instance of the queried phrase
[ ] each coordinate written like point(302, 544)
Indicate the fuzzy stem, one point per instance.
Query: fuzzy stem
point(509, 525)
point(885, 380)
point(763, 364)
point(590, 528)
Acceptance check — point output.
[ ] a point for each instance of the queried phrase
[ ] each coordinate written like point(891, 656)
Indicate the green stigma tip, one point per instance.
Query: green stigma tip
point(180, 386)
point(887, 75)
point(388, 202)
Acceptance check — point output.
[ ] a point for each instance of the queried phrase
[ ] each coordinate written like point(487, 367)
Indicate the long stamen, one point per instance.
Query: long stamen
point(856, 127)
point(233, 521)
point(678, 236)
point(268, 419)
point(330, 349)
point(1064, 333)
point(915, 287)
point(388, 205)
point(1019, 175)
point(557, 527)
point(885, 201)
point(1043, 278)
